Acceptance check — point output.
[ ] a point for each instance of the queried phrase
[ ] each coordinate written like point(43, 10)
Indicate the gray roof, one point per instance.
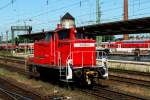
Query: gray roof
point(67, 16)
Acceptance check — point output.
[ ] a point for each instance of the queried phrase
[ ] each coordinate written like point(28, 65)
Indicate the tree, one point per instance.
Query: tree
point(107, 38)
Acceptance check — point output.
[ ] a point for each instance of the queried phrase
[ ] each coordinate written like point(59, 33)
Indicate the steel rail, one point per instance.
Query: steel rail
point(96, 91)
point(129, 72)
point(130, 80)
point(101, 92)
point(14, 96)
point(116, 95)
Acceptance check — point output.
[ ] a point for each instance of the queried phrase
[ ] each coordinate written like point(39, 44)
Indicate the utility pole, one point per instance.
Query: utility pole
point(1, 38)
point(7, 39)
point(98, 17)
point(98, 13)
point(125, 36)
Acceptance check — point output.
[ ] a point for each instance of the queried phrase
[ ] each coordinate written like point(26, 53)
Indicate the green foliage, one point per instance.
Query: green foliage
point(108, 38)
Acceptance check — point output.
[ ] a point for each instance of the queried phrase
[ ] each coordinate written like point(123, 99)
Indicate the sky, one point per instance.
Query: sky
point(46, 14)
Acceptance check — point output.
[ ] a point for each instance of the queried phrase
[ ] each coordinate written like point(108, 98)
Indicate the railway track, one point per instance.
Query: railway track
point(132, 77)
point(111, 76)
point(130, 81)
point(15, 60)
point(16, 91)
point(13, 96)
point(103, 92)
point(129, 72)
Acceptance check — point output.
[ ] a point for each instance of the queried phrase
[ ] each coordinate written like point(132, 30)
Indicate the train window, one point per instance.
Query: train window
point(64, 35)
point(48, 36)
point(135, 41)
point(79, 36)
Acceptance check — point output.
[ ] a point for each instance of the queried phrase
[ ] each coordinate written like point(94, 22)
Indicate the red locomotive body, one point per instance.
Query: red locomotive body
point(68, 56)
point(61, 50)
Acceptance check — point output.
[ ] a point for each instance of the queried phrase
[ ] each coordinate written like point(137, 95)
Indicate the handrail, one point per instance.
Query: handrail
point(70, 57)
point(67, 59)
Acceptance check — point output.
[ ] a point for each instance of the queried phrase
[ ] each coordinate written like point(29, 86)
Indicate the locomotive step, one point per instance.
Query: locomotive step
point(64, 80)
point(62, 75)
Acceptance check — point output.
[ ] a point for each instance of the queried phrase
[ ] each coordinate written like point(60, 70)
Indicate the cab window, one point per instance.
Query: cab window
point(64, 35)
point(79, 35)
point(48, 36)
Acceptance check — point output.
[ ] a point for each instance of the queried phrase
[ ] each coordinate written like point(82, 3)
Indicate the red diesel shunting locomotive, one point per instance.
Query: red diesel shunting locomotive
point(67, 56)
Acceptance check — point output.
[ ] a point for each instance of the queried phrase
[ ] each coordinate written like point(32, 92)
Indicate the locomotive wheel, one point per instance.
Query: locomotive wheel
point(29, 71)
point(32, 72)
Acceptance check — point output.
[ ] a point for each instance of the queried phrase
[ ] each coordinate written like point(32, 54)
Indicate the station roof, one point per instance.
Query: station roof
point(132, 26)
point(37, 34)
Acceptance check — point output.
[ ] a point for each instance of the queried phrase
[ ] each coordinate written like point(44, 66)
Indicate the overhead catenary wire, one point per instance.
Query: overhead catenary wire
point(105, 10)
point(104, 13)
point(54, 10)
point(58, 9)
point(8, 4)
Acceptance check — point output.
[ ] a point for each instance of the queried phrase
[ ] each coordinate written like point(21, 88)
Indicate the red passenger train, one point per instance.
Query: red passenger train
point(4, 46)
point(67, 56)
point(127, 45)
